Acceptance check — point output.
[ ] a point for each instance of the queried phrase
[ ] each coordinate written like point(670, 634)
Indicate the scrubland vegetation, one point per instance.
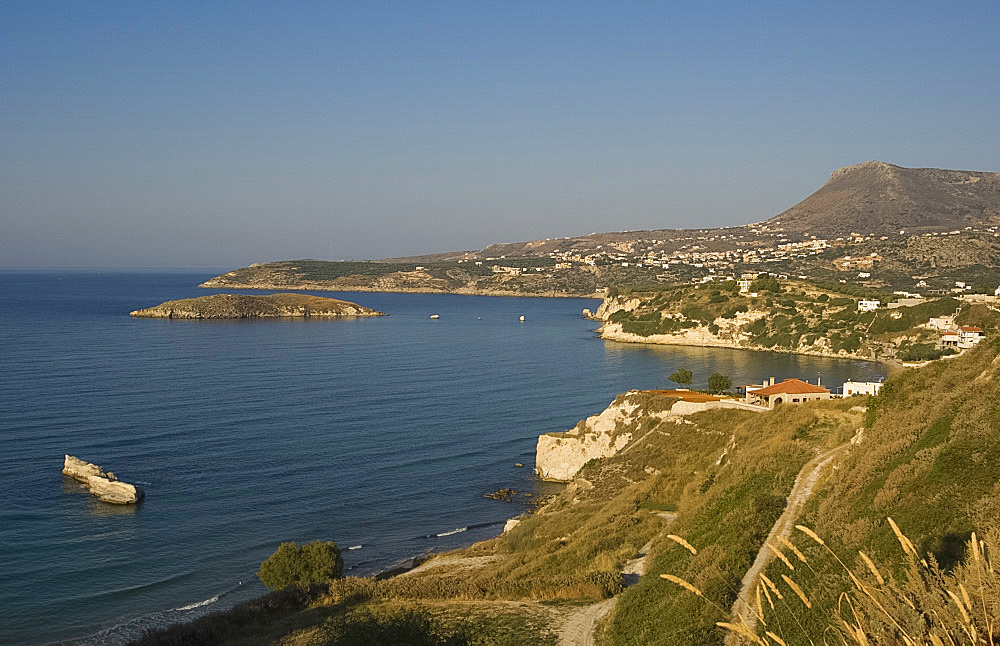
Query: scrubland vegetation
point(793, 316)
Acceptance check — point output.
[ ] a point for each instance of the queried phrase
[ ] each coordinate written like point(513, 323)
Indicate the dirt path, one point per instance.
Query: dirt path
point(805, 482)
point(578, 627)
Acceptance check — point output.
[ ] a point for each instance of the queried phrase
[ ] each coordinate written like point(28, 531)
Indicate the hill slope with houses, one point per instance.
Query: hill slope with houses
point(798, 317)
point(877, 224)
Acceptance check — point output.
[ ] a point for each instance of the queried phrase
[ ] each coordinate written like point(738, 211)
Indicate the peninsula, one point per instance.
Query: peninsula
point(761, 312)
point(241, 306)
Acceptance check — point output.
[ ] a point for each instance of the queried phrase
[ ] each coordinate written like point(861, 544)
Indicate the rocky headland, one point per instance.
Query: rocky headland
point(241, 306)
point(410, 278)
point(630, 418)
point(791, 316)
point(102, 484)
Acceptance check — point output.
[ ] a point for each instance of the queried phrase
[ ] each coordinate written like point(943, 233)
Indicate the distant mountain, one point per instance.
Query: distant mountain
point(880, 198)
point(870, 198)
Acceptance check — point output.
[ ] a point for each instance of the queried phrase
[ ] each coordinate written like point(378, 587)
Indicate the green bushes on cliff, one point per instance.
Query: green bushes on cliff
point(315, 562)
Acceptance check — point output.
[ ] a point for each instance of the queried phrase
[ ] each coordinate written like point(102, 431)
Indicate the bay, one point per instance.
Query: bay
point(380, 433)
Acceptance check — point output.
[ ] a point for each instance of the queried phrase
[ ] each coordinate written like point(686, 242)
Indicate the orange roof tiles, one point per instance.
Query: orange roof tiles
point(687, 395)
point(790, 387)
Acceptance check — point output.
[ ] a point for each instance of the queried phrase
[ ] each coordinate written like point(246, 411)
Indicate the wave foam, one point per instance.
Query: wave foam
point(454, 531)
point(199, 604)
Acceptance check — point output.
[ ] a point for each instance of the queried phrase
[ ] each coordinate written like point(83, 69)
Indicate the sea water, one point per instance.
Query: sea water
point(381, 434)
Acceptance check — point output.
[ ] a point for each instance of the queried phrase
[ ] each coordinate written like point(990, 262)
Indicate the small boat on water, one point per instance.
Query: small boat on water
point(522, 318)
point(435, 316)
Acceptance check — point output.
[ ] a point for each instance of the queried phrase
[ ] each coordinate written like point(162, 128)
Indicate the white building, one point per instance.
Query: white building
point(949, 339)
point(868, 306)
point(969, 336)
point(745, 281)
point(941, 322)
point(851, 388)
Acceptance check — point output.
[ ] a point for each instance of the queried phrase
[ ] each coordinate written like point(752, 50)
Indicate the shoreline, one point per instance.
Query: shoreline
point(892, 366)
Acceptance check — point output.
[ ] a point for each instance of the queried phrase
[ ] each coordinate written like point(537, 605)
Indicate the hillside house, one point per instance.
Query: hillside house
point(868, 306)
point(968, 336)
point(948, 339)
point(851, 388)
point(789, 391)
point(745, 281)
point(941, 322)
point(849, 263)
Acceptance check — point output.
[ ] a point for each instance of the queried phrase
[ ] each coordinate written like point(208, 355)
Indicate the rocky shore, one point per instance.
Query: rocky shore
point(241, 306)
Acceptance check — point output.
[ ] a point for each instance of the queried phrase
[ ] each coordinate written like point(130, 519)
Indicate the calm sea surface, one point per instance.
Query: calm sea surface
point(380, 434)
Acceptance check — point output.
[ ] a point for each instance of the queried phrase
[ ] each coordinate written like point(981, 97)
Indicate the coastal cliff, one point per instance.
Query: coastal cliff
point(240, 306)
point(630, 418)
point(559, 456)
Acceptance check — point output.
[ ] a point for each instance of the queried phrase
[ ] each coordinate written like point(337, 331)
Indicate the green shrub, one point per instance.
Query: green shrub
point(681, 376)
point(765, 283)
point(923, 352)
point(719, 383)
point(315, 562)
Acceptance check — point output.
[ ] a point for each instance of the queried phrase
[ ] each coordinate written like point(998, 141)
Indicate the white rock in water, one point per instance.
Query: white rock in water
point(77, 468)
point(105, 486)
point(113, 491)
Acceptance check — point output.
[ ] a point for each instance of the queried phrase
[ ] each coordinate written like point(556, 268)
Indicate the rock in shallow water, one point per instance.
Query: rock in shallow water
point(105, 486)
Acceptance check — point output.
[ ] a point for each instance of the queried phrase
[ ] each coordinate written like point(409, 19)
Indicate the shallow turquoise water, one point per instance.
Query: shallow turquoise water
point(383, 433)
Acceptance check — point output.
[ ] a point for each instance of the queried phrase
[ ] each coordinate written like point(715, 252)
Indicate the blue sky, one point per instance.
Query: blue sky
point(175, 134)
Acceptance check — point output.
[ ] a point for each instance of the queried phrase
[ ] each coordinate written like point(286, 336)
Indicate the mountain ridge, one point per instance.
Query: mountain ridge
point(881, 198)
point(872, 197)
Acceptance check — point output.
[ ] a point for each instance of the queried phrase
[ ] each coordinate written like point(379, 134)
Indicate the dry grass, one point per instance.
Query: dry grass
point(924, 606)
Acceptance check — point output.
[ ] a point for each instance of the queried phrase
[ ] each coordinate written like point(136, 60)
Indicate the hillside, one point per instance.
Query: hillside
point(241, 306)
point(526, 277)
point(783, 316)
point(881, 199)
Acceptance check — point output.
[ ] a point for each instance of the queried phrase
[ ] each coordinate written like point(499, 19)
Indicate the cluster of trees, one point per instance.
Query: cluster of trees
point(717, 383)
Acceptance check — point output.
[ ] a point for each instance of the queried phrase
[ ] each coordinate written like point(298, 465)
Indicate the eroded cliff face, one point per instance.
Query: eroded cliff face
point(613, 304)
point(730, 333)
point(559, 456)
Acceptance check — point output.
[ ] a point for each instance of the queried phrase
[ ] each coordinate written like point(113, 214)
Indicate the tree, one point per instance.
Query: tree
point(682, 376)
point(719, 383)
point(315, 562)
point(765, 283)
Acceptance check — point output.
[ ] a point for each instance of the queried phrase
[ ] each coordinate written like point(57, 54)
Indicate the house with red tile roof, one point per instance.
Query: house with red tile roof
point(789, 391)
point(969, 336)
